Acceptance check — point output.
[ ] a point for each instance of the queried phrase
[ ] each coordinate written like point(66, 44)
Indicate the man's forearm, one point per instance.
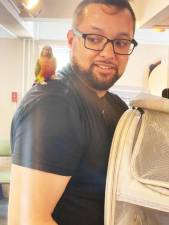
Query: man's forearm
point(39, 222)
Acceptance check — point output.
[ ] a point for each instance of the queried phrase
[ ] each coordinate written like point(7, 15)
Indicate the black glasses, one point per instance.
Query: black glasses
point(98, 42)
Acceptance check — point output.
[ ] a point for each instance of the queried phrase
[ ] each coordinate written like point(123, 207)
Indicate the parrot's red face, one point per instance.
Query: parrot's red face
point(46, 51)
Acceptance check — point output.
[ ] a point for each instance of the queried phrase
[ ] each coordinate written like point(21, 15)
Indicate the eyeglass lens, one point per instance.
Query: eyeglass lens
point(98, 42)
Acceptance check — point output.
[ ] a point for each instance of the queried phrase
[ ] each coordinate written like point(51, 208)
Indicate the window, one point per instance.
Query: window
point(62, 55)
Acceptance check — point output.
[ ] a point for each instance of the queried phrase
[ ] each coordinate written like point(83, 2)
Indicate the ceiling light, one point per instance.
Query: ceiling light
point(30, 4)
point(158, 28)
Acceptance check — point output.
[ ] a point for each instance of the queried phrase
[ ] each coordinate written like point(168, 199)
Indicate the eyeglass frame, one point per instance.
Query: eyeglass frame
point(84, 35)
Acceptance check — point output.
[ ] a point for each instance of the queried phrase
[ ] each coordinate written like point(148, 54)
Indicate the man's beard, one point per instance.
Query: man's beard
point(91, 80)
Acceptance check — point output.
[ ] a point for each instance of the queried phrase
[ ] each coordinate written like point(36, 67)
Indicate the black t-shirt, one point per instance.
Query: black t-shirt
point(64, 128)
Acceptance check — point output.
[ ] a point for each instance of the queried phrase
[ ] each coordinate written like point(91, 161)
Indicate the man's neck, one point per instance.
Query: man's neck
point(100, 93)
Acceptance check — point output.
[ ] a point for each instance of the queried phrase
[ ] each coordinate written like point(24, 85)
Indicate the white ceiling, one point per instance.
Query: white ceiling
point(49, 8)
point(152, 13)
point(51, 18)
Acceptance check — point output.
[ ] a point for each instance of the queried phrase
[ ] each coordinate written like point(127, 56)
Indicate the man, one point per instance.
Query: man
point(62, 132)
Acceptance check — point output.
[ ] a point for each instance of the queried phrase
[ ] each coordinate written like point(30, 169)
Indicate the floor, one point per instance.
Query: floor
point(3, 211)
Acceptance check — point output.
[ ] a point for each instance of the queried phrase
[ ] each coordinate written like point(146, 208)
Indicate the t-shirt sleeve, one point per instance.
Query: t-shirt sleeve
point(49, 137)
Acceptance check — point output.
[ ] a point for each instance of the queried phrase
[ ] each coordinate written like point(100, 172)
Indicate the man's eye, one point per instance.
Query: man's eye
point(122, 43)
point(94, 39)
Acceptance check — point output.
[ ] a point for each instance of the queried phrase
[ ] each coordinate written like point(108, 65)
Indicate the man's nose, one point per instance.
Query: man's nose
point(108, 50)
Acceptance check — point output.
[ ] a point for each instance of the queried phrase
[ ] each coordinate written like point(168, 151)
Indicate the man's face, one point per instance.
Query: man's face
point(100, 69)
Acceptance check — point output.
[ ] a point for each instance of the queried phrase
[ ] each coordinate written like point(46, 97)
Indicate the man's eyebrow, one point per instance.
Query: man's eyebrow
point(124, 34)
point(96, 29)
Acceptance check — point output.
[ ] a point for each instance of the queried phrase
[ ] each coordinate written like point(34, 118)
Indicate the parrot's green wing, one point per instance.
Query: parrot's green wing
point(37, 68)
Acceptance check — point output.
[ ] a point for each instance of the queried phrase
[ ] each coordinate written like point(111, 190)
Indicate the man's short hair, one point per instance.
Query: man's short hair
point(121, 4)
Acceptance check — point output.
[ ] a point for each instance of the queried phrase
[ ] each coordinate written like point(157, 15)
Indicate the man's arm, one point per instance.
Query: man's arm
point(33, 196)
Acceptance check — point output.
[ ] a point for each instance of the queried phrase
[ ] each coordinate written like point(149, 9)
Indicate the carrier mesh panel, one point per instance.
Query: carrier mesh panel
point(150, 160)
point(138, 171)
point(130, 214)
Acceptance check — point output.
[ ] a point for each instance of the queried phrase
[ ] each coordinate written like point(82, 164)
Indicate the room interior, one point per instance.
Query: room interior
point(24, 31)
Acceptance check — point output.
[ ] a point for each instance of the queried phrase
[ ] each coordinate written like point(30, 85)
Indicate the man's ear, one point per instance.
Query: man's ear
point(70, 37)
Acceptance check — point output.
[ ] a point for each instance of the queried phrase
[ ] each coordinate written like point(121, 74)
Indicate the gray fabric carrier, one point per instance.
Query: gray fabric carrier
point(137, 185)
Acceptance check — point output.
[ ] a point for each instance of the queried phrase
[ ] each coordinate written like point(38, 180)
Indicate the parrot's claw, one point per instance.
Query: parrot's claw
point(40, 82)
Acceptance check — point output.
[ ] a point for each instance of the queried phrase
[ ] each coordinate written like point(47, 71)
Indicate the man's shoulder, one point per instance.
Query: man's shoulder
point(54, 91)
point(58, 87)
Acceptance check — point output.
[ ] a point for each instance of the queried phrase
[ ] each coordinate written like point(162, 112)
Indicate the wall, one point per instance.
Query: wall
point(135, 78)
point(11, 73)
point(143, 56)
point(17, 75)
